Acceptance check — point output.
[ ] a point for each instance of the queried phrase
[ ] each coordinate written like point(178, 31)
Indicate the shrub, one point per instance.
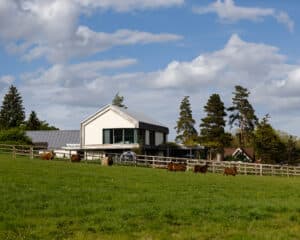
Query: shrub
point(14, 136)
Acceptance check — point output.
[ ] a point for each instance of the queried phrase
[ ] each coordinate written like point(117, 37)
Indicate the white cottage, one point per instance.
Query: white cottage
point(113, 128)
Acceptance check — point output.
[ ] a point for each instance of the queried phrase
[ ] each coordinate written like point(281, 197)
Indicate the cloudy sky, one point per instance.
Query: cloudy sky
point(68, 58)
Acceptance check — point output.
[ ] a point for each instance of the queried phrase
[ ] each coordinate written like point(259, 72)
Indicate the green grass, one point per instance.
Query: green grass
point(60, 200)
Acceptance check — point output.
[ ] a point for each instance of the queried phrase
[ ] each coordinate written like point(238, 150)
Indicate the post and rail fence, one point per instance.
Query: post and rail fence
point(162, 162)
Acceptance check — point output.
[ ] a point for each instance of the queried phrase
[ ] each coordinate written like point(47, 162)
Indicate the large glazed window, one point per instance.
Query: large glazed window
point(120, 136)
point(129, 136)
point(107, 136)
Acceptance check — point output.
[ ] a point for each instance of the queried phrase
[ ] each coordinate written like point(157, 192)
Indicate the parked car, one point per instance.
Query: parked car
point(128, 156)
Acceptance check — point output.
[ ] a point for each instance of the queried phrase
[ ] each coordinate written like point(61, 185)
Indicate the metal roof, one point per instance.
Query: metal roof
point(55, 138)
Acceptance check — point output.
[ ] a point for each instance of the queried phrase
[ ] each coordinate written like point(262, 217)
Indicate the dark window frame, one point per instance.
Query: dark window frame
point(134, 136)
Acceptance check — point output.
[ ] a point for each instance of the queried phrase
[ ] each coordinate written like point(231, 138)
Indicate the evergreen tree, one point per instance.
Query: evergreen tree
point(12, 112)
point(46, 126)
point(212, 133)
point(243, 115)
point(118, 101)
point(291, 150)
point(33, 122)
point(186, 132)
point(268, 145)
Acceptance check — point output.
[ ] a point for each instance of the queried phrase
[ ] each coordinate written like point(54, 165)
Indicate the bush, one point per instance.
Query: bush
point(14, 136)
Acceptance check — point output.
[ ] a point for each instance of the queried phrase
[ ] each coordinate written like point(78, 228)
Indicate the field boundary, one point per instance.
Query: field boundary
point(162, 162)
point(218, 166)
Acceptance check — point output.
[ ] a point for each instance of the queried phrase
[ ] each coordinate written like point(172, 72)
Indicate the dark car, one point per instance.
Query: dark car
point(128, 156)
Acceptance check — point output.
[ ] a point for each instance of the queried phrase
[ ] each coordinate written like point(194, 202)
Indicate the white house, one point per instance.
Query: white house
point(113, 128)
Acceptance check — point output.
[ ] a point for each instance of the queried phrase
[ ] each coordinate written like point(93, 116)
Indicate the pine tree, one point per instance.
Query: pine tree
point(267, 143)
point(186, 132)
point(212, 132)
point(33, 122)
point(12, 112)
point(291, 149)
point(118, 101)
point(243, 115)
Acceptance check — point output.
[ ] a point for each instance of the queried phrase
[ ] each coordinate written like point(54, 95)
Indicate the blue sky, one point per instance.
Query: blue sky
point(70, 57)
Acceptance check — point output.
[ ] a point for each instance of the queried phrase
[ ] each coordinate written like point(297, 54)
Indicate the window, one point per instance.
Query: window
point(107, 136)
point(120, 136)
point(128, 136)
point(152, 138)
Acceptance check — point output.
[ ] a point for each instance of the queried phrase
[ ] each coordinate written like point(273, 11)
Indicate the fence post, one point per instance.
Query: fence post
point(14, 152)
point(260, 170)
point(153, 159)
point(272, 168)
point(31, 152)
point(213, 166)
point(245, 169)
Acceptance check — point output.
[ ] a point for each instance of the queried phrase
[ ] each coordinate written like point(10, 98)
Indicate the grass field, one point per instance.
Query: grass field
point(60, 200)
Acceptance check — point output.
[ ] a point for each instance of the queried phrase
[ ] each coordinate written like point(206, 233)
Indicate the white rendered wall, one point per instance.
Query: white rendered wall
point(110, 119)
point(159, 138)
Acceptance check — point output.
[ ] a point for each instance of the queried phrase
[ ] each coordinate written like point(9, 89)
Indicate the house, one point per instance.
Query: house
point(115, 129)
point(240, 154)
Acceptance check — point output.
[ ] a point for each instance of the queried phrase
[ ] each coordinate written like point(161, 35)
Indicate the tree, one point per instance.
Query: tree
point(46, 126)
point(14, 136)
point(291, 149)
point(186, 132)
point(267, 143)
point(12, 112)
point(33, 122)
point(212, 132)
point(243, 115)
point(118, 101)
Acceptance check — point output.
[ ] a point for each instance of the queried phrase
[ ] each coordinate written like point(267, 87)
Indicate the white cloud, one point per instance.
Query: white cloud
point(86, 42)
point(284, 18)
point(228, 12)
point(49, 29)
point(238, 62)
point(129, 5)
point(7, 79)
point(77, 90)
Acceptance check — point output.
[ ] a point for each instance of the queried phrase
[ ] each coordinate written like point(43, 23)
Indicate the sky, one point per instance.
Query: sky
point(68, 58)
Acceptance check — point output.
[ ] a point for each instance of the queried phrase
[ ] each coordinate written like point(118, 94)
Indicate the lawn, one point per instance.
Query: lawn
point(60, 200)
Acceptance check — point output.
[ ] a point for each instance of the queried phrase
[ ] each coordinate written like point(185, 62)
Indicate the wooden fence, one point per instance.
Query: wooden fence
point(162, 162)
point(218, 167)
point(21, 150)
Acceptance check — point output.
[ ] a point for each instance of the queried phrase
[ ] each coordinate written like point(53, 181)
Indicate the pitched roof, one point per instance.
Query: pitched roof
point(249, 152)
point(55, 138)
point(141, 118)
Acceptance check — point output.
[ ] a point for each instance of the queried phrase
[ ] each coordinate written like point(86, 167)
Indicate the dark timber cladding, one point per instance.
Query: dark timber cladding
point(152, 127)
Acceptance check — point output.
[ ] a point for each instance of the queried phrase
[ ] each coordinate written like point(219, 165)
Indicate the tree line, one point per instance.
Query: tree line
point(13, 123)
point(270, 145)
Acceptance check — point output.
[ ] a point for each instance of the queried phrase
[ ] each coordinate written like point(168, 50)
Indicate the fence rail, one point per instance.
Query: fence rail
point(162, 162)
point(21, 150)
point(218, 167)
